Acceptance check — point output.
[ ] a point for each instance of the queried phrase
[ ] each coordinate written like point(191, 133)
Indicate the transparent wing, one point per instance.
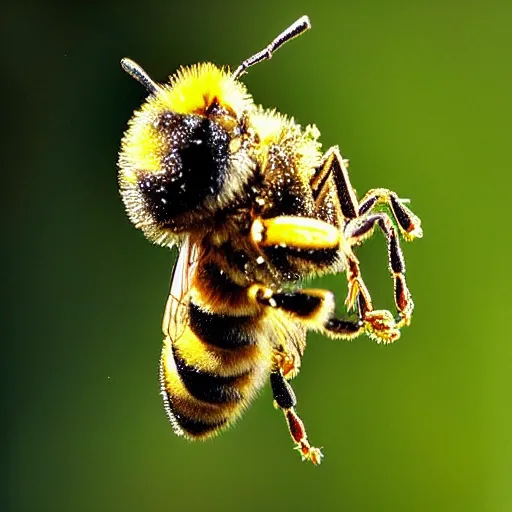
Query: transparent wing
point(176, 310)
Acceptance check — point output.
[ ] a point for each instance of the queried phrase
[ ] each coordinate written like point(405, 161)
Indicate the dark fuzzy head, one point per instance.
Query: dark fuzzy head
point(194, 166)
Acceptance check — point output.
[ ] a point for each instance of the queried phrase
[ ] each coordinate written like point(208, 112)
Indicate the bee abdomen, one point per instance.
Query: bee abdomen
point(219, 330)
point(211, 372)
point(210, 388)
point(184, 417)
point(198, 428)
point(199, 404)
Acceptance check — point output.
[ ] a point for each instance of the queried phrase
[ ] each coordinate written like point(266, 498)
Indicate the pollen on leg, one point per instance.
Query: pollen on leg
point(381, 326)
point(297, 232)
point(286, 362)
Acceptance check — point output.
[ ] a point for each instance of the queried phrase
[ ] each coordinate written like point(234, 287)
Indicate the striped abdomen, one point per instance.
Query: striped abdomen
point(213, 368)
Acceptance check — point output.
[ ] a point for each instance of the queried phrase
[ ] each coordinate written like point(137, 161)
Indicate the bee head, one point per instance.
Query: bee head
point(181, 158)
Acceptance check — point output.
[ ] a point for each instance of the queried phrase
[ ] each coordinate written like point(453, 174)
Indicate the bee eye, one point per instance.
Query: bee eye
point(193, 166)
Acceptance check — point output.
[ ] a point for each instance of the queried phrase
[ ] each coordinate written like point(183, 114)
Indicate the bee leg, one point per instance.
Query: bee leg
point(357, 230)
point(409, 224)
point(378, 324)
point(285, 399)
point(318, 313)
point(332, 178)
point(295, 233)
point(315, 309)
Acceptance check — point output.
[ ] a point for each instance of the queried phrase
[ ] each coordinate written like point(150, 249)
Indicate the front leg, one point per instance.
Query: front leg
point(362, 227)
point(357, 222)
point(332, 179)
point(409, 224)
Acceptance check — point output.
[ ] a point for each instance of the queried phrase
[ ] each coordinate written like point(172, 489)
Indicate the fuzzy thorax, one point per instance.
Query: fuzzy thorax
point(195, 144)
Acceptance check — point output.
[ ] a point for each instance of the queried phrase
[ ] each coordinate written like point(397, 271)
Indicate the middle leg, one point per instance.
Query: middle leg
point(315, 309)
point(315, 235)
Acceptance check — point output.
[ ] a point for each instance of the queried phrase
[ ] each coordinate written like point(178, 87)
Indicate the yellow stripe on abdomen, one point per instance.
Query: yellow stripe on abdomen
point(207, 383)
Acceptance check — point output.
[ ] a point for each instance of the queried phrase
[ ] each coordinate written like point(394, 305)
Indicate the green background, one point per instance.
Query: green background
point(418, 96)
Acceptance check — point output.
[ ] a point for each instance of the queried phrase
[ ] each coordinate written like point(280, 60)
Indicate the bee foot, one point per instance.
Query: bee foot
point(310, 453)
point(381, 326)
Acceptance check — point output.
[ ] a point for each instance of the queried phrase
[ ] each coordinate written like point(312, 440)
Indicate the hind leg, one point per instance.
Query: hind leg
point(285, 400)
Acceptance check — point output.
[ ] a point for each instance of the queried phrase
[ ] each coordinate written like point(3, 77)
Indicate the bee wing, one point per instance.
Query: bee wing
point(176, 310)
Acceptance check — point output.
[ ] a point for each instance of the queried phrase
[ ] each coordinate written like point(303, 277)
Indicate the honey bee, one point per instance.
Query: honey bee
point(254, 207)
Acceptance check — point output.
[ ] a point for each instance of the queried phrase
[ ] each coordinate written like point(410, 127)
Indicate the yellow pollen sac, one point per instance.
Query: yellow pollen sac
point(296, 232)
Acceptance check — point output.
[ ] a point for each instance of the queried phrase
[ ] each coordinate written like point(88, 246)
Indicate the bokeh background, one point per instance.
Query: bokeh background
point(418, 96)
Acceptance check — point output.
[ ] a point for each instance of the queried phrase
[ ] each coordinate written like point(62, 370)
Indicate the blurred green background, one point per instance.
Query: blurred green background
point(417, 95)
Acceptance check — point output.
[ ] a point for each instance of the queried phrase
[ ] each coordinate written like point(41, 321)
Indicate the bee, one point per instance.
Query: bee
point(254, 207)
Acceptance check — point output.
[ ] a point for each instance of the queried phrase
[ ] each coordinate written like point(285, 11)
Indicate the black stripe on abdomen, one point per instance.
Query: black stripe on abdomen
point(222, 331)
point(184, 424)
point(197, 427)
point(214, 389)
point(190, 426)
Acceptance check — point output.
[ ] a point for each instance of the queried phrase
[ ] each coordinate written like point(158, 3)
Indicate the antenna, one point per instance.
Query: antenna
point(135, 71)
point(294, 30)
